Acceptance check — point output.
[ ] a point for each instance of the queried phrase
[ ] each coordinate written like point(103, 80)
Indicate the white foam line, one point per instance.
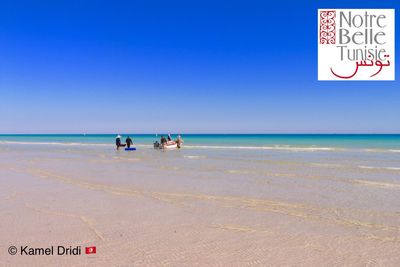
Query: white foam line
point(64, 144)
point(393, 168)
point(190, 146)
point(266, 148)
point(380, 168)
point(366, 167)
point(285, 148)
point(50, 143)
point(194, 157)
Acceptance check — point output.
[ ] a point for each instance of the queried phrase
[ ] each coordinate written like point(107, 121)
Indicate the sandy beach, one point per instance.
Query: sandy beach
point(199, 207)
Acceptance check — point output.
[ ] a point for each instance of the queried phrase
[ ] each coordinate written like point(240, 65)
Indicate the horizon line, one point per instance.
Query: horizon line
point(83, 134)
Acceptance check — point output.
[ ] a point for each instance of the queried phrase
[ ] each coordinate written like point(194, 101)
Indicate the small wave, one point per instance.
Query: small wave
point(194, 157)
point(51, 143)
point(393, 168)
point(288, 148)
point(380, 168)
point(277, 147)
point(64, 144)
point(377, 184)
point(373, 150)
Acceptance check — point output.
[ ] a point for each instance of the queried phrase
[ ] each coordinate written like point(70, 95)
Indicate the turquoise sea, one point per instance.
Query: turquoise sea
point(249, 141)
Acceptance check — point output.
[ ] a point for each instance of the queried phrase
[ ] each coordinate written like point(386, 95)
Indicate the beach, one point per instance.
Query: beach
point(218, 201)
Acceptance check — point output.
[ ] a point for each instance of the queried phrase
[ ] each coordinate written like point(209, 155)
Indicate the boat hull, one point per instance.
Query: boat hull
point(171, 145)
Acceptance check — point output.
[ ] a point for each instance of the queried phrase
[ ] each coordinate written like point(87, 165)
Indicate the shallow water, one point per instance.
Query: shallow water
point(333, 206)
point(249, 141)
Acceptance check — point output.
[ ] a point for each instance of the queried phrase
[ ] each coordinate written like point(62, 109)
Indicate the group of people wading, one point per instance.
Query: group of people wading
point(128, 142)
point(163, 144)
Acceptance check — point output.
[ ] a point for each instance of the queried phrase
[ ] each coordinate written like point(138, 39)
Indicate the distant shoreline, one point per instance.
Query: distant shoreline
point(216, 134)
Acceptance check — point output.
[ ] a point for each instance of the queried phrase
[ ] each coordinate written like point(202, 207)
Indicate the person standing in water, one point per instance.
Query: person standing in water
point(163, 140)
point(129, 142)
point(179, 141)
point(118, 141)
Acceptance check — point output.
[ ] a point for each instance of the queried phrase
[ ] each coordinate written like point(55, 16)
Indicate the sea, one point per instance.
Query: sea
point(312, 142)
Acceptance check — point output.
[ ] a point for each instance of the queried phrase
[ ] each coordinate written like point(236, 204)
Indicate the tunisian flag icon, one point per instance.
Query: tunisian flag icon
point(90, 250)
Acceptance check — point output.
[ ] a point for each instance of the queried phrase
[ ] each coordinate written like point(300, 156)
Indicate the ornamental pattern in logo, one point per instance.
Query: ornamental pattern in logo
point(327, 27)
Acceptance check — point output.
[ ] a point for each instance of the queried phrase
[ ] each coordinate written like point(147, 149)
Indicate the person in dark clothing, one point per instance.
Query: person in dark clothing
point(129, 142)
point(118, 141)
point(169, 138)
point(163, 140)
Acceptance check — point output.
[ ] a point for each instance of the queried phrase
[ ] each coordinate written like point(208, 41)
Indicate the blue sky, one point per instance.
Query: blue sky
point(179, 66)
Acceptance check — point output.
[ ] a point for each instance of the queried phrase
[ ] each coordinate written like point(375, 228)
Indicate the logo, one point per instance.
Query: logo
point(90, 250)
point(356, 44)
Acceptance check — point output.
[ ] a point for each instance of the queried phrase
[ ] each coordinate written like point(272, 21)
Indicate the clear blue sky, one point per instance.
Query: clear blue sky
point(179, 66)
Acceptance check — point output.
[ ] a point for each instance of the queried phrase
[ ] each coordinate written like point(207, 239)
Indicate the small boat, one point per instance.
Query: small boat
point(168, 145)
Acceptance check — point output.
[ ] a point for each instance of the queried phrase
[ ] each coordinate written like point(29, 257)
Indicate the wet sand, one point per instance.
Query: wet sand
point(201, 207)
